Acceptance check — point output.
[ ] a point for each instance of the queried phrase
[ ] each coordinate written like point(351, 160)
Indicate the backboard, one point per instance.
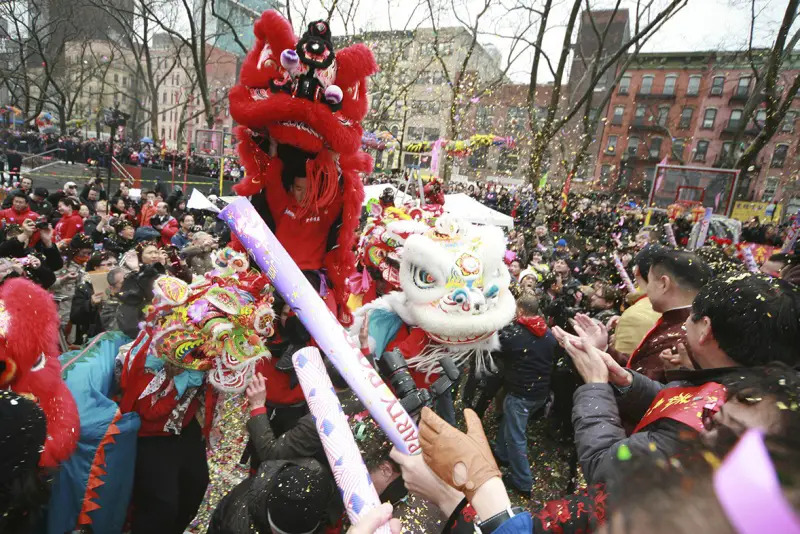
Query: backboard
point(710, 187)
point(210, 143)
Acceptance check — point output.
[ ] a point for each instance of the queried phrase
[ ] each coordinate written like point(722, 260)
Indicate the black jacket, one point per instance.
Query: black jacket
point(137, 292)
point(49, 256)
point(244, 509)
point(527, 360)
point(84, 314)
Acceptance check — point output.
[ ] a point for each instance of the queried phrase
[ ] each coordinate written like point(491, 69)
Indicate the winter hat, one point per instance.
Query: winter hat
point(22, 433)
point(561, 243)
point(298, 500)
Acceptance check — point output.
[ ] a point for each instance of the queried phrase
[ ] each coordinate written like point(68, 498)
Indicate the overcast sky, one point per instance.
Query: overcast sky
point(701, 25)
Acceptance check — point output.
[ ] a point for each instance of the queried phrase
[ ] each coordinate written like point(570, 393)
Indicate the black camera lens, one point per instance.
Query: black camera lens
point(394, 368)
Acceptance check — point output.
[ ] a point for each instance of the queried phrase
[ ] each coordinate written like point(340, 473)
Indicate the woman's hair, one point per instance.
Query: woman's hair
point(96, 259)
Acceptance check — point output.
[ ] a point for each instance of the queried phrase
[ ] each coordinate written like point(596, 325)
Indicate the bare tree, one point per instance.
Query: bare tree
point(648, 21)
point(589, 121)
point(768, 90)
point(467, 74)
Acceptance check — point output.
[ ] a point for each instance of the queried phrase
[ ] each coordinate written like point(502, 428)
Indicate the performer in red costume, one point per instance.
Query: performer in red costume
point(29, 363)
point(300, 104)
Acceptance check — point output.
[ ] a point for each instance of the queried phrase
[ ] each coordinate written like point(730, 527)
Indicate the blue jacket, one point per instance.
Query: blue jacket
point(519, 524)
point(180, 239)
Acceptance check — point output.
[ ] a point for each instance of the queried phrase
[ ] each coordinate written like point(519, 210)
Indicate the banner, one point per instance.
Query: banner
point(765, 211)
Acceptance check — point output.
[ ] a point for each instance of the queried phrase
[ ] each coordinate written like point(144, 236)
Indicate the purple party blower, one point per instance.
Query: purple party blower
point(329, 335)
point(347, 465)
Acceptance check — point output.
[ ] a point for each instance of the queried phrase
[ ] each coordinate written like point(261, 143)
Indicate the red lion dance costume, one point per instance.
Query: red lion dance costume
point(302, 97)
point(29, 363)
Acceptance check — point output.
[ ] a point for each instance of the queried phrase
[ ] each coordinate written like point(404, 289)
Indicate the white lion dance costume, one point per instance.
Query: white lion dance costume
point(448, 297)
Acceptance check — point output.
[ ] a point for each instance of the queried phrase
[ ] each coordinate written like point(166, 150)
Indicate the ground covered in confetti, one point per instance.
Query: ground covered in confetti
point(549, 450)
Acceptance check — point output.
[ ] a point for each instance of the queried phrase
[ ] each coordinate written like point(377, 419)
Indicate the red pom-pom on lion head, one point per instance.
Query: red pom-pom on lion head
point(29, 363)
point(301, 91)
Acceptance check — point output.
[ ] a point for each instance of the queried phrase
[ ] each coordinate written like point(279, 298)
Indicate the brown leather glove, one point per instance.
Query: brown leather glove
point(464, 461)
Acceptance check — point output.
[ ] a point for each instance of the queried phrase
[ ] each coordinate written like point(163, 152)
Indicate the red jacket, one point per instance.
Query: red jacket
point(12, 216)
point(155, 409)
point(68, 227)
point(169, 230)
point(305, 239)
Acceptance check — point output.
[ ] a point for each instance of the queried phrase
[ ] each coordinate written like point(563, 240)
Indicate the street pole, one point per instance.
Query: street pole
point(221, 173)
point(114, 125)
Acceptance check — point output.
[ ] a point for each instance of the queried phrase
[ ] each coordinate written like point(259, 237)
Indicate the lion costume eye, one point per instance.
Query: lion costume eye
point(422, 278)
point(40, 363)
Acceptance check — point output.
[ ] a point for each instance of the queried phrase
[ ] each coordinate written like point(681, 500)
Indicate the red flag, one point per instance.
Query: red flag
point(565, 192)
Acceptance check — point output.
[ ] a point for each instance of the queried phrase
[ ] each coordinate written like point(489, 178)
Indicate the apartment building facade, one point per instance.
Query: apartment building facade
point(688, 108)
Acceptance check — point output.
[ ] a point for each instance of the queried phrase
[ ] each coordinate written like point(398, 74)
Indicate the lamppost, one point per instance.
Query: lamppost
point(113, 118)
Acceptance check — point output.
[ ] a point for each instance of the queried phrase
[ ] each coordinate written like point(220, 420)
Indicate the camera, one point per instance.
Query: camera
point(42, 222)
point(394, 368)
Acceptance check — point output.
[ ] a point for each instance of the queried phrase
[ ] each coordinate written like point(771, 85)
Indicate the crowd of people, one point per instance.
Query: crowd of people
point(656, 365)
point(74, 150)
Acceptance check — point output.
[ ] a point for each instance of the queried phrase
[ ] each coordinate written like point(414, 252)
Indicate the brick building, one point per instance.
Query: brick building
point(687, 107)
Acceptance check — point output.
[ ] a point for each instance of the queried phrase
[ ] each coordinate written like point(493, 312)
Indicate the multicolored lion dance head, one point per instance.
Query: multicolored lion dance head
point(29, 365)
point(219, 326)
point(453, 285)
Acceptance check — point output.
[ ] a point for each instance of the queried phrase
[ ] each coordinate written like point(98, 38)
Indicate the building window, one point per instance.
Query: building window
point(164, 97)
point(779, 156)
point(694, 86)
point(686, 118)
point(605, 173)
point(647, 85)
point(116, 78)
point(638, 117)
point(414, 134)
point(509, 161)
point(484, 119)
point(477, 159)
point(788, 121)
point(516, 119)
point(633, 146)
point(717, 85)
point(678, 146)
point(726, 151)
point(743, 88)
point(669, 84)
point(619, 111)
point(736, 119)
point(655, 147)
point(701, 151)
point(770, 186)
point(431, 134)
point(761, 118)
point(709, 117)
point(663, 115)
point(611, 148)
point(624, 85)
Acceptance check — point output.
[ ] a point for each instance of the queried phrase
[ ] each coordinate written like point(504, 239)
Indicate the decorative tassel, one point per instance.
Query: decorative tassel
point(323, 183)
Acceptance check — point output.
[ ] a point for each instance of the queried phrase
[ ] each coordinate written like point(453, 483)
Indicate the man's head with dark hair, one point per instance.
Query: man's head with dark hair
point(527, 305)
point(299, 499)
point(745, 320)
point(19, 201)
point(777, 262)
point(759, 397)
point(719, 262)
point(642, 262)
point(674, 279)
point(40, 193)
